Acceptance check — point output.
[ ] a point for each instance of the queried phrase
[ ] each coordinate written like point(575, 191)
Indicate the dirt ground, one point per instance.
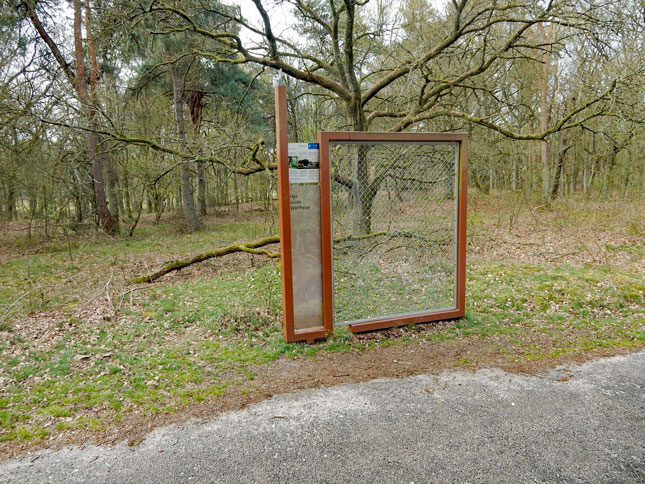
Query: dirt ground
point(288, 376)
point(516, 233)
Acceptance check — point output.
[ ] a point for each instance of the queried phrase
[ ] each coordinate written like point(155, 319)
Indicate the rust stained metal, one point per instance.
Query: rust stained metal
point(324, 140)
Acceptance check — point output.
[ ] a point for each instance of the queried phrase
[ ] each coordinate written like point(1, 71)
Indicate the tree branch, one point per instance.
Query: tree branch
point(31, 13)
point(173, 266)
point(268, 32)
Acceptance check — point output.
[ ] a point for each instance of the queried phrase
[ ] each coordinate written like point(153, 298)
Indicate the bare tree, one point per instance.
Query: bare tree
point(392, 75)
point(88, 99)
point(186, 185)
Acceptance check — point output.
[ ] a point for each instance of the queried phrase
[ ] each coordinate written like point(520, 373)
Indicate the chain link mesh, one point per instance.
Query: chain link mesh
point(394, 219)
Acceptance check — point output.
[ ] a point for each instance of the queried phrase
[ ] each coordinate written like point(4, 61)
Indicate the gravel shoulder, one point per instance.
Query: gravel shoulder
point(574, 424)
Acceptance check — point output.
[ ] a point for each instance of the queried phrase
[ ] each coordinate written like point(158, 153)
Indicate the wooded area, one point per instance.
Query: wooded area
point(112, 109)
point(138, 198)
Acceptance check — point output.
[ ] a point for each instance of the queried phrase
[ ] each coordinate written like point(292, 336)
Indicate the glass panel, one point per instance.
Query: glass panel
point(394, 221)
point(304, 193)
point(306, 256)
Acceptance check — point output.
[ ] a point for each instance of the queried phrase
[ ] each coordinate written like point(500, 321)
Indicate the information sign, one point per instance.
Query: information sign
point(304, 198)
point(303, 163)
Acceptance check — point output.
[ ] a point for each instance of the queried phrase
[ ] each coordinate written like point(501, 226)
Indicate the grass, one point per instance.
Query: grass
point(81, 350)
point(555, 310)
point(54, 276)
point(365, 289)
point(171, 346)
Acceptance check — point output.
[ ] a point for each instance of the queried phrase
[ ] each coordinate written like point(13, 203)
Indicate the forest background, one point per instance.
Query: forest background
point(137, 133)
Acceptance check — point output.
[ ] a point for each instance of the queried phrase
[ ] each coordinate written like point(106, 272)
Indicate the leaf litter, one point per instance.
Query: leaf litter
point(115, 339)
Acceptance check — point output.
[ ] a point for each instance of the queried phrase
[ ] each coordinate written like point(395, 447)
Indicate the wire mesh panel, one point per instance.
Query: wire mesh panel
point(394, 228)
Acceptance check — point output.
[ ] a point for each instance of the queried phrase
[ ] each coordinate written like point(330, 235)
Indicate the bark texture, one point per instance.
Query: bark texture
point(172, 266)
point(186, 185)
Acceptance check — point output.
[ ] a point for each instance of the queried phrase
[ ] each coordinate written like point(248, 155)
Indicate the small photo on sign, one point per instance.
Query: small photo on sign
point(303, 163)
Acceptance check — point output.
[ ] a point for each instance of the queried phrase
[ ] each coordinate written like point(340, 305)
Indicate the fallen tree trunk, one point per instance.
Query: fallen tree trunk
point(251, 248)
point(177, 265)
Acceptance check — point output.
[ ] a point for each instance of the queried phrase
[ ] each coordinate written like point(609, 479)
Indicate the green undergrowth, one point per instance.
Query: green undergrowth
point(195, 340)
point(179, 345)
point(95, 350)
point(548, 311)
point(60, 272)
point(365, 290)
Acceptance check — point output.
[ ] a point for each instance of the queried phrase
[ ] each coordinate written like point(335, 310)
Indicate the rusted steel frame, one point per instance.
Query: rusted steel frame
point(324, 140)
point(461, 226)
point(284, 210)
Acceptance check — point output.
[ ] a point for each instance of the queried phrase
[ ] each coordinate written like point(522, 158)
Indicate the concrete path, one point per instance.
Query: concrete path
point(581, 424)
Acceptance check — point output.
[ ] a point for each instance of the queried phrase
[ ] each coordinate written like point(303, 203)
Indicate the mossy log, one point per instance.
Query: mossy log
point(177, 265)
point(250, 247)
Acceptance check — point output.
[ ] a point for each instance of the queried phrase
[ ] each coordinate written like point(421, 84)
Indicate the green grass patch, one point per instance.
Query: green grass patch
point(59, 273)
point(566, 308)
point(189, 340)
point(182, 344)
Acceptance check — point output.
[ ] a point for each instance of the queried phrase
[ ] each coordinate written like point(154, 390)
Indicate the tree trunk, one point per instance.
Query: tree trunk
point(546, 168)
point(573, 184)
point(515, 173)
point(491, 179)
point(78, 208)
point(586, 172)
point(557, 175)
point(545, 110)
point(127, 201)
point(11, 200)
point(610, 161)
point(105, 217)
point(361, 196)
point(195, 111)
point(102, 210)
point(201, 188)
point(157, 204)
point(626, 182)
point(361, 199)
point(527, 176)
point(605, 182)
point(104, 161)
point(186, 185)
point(112, 179)
point(237, 193)
point(45, 211)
